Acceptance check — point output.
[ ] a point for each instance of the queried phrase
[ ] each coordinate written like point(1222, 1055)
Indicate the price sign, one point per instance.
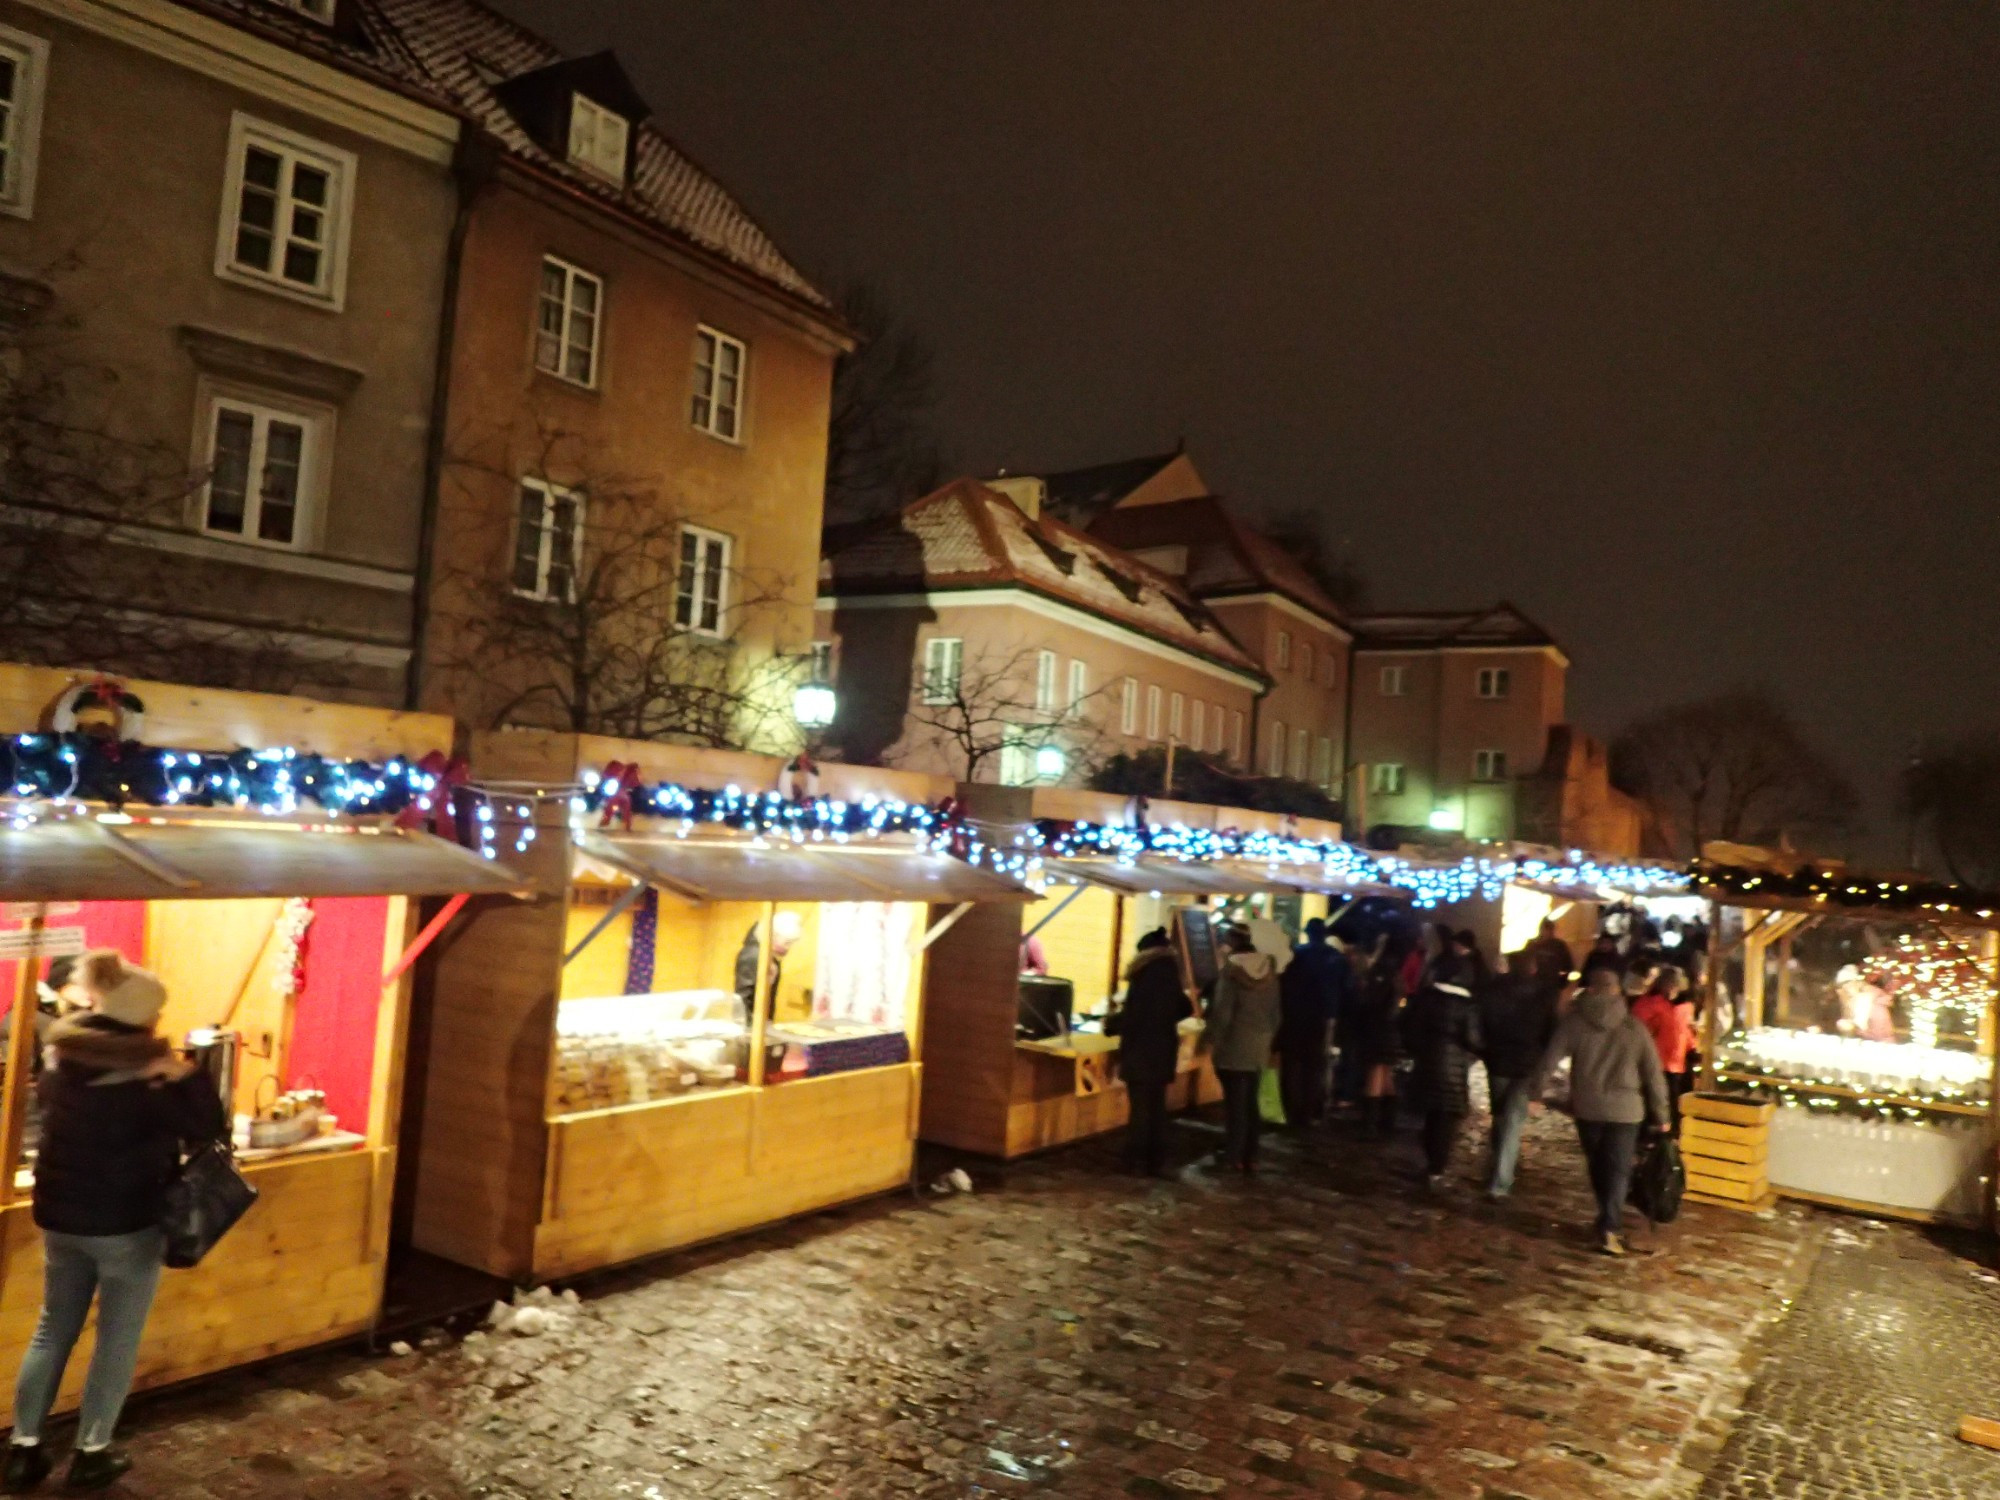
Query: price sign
point(55, 942)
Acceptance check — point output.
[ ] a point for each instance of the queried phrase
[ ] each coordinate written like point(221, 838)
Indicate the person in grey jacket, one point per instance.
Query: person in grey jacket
point(1242, 1026)
point(1616, 1086)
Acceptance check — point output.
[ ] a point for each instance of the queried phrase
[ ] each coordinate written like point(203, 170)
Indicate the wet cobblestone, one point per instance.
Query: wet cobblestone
point(1327, 1329)
point(1860, 1388)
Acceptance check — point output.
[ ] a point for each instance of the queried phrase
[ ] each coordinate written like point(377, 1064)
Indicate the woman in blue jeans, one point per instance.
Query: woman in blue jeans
point(117, 1107)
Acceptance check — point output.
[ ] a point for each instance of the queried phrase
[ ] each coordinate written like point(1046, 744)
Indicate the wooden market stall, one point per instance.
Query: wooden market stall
point(282, 930)
point(1017, 1064)
point(695, 1028)
point(1862, 1008)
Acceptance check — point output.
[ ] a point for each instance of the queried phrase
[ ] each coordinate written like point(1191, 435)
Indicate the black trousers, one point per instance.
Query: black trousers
point(1441, 1129)
point(1609, 1150)
point(1146, 1131)
point(1242, 1124)
point(1302, 1078)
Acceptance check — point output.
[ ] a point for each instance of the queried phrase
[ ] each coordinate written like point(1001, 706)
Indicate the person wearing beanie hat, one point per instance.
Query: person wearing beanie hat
point(118, 1106)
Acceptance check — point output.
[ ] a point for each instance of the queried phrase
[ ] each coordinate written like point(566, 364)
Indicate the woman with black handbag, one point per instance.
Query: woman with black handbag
point(117, 1106)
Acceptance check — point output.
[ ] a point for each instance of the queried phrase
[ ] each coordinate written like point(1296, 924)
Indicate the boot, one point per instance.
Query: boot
point(96, 1469)
point(26, 1467)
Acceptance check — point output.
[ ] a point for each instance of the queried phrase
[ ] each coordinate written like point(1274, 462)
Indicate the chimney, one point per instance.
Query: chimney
point(1027, 492)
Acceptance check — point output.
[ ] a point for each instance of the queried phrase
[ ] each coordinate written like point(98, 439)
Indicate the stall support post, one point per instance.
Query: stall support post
point(1713, 985)
point(21, 1053)
point(1785, 976)
point(761, 998)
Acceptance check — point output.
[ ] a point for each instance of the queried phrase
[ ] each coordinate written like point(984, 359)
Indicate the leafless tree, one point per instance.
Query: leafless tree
point(1952, 792)
point(80, 499)
point(880, 450)
point(576, 618)
point(1302, 534)
point(992, 703)
point(1734, 767)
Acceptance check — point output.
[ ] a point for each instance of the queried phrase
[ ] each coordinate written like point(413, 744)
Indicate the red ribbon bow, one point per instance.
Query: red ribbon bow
point(439, 806)
point(621, 779)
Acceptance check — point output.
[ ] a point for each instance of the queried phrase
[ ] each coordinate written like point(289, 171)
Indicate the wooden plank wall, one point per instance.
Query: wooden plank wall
point(631, 1182)
point(970, 1007)
point(304, 1267)
point(213, 719)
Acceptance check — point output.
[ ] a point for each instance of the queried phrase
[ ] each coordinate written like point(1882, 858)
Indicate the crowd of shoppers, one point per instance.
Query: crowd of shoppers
point(1389, 1023)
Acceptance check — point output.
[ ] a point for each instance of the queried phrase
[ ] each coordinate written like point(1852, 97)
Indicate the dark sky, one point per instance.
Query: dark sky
point(1678, 325)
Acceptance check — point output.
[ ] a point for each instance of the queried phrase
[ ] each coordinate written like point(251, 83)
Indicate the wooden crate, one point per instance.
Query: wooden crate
point(1726, 1146)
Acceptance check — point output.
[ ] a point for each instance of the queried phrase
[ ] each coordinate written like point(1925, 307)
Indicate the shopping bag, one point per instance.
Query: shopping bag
point(1270, 1099)
point(1659, 1181)
point(203, 1204)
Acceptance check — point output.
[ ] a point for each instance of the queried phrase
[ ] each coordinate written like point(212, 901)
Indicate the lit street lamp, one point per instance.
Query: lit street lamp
point(813, 705)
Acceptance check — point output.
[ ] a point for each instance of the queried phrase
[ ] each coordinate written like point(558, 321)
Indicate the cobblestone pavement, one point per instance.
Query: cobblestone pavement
point(1859, 1389)
point(1324, 1330)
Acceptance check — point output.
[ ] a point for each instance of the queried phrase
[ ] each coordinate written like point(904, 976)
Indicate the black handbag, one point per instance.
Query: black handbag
point(1660, 1181)
point(203, 1204)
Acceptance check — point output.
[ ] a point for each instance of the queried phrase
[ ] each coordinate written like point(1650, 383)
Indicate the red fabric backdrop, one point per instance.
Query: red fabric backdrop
point(105, 924)
point(333, 1022)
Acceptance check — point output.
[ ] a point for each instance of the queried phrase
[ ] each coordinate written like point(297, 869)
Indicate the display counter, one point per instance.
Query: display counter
point(700, 1027)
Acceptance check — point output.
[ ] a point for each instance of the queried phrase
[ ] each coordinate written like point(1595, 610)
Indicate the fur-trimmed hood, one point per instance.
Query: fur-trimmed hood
point(103, 1045)
point(1144, 957)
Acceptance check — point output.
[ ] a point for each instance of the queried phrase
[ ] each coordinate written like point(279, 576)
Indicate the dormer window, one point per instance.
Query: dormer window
point(598, 138)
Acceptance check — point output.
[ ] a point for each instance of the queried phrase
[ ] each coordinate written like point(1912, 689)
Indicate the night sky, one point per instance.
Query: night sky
point(1679, 326)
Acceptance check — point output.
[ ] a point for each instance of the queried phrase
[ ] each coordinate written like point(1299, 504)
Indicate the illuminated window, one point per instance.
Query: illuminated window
point(566, 323)
point(1045, 681)
point(701, 591)
point(24, 62)
point(598, 138)
point(1079, 684)
point(1128, 707)
point(1301, 745)
point(1196, 730)
point(1385, 779)
point(1236, 735)
point(1494, 682)
point(548, 542)
point(1153, 712)
point(1177, 718)
point(1395, 681)
point(1489, 765)
point(718, 384)
point(1275, 751)
point(944, 662)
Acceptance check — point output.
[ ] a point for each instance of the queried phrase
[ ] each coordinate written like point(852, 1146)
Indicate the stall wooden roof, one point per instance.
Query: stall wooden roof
point(724, 868)
point(176, 859)
point(1175, 877)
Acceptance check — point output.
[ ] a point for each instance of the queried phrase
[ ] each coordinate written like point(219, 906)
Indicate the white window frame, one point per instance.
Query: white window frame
point(1284, 650)
point(573, 275)
point(819, 661)
point(1394, 681)
point(1274, 755)
point(1045, 682)
point(589, 118)
point(1385, 778)
point(1221, 730)
point(545, 547)
point(1306, 660)
point(1177, 718)
point(1128, 708)
point(22, 136)
point(704, 539)
point(1489, 765)
point(944, 669)
point(315, 453)
point(1197, 723)
point(1236, 736)
point(1301, 749)
point(1153, 706)
point(1079, 684)
point(340, 166)
point(1493, 683)
point(712, 425)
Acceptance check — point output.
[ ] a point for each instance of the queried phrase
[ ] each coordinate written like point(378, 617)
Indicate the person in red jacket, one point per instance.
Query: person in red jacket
point(1668, 1016)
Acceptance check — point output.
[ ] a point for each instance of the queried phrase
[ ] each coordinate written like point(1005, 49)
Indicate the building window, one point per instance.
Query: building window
point(718, 384)
point(1385, 779)
point(944, 663)
point(262, 464)
point(548, 542)
point(1306, 660)
point(1219, 737)
point(1176, 718)
point(1395, 681)
point(1274, 752)
point(1236, 735)
point(819, 661)
point(24, 63)
point(1494, 682)
point(1045, 681)
point(1079, 684)
point(1197, 735)
point(701, 593)
point(1284, 649)
point(1323, 767)
point(1301, 744)
point(567, 322)
point(1153, 712)
point(1128, 707)
point(284, 212)
point(1489, 765)
point(598, 138)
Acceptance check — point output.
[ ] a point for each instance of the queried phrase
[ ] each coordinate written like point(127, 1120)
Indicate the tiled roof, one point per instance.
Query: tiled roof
point(454, 51)
point(968, 536)
point(1502, 625)
point(1225, 556)
point(1077, 495)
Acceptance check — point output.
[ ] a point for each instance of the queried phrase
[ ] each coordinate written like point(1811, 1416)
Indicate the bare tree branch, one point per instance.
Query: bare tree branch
point(992, 704)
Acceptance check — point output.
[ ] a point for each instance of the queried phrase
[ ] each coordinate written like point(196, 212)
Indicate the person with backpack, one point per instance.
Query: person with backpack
point(1616, 1087)
point(118, 1106)
point(1311, 992)
point(1517, 1017)
point(1148, 1024)
point(1441, 1031)
point(1242, 1025)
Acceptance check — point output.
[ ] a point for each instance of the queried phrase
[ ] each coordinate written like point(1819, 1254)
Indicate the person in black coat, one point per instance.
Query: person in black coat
point(1517, 1017)
point(1312, 991)
point(1148, 1024)
point(1441, 1030)
point(1376, 1033)
point(118, 1106)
